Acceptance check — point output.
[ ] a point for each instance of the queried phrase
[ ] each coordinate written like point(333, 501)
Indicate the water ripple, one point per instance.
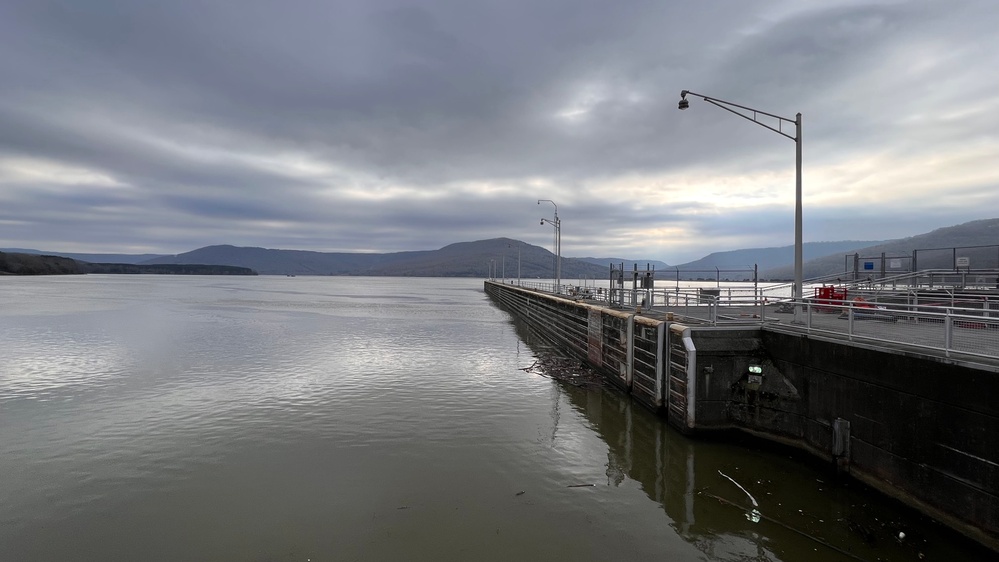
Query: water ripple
point(245, 419)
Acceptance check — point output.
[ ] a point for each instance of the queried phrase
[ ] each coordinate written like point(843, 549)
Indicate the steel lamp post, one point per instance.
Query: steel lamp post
point(727, 106)
point(557, 223)
point(518, 262)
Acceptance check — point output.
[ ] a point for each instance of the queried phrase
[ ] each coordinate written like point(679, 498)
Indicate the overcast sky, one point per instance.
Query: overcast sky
point(380, 125)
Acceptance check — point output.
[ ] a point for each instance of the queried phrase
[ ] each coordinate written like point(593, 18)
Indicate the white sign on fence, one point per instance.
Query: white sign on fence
point(963, 262)
point(895, 264)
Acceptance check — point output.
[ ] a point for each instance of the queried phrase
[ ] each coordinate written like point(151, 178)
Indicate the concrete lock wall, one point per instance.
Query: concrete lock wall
point(625, 348)
point(922, 429)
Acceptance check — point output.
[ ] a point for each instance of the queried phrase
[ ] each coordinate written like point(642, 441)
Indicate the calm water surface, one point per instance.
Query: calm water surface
point(275, 418)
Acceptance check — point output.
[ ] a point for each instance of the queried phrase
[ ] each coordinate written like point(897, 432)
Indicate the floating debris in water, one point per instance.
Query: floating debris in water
point(751, 498)
point(572, 371)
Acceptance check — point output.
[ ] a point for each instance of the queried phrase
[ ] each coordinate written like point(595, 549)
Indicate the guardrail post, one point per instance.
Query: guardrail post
point(661, 359)
point(630, 351)
point(948, 333)
point(849, 326)
point(808, 315)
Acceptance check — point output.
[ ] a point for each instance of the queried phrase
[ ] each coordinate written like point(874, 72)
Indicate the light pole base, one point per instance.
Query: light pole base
point(797, 321)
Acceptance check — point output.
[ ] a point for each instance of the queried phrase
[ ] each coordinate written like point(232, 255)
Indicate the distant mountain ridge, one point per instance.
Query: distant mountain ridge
point(275, 262)
point(766, 258)
point(628, 264)
point(500, 255)
point(15, 263)
point(463, 259)
point(91, 258)
point(967, 235)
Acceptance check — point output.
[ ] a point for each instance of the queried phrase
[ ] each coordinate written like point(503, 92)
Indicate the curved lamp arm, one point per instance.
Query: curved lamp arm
point(753, 115)
point(727, 106)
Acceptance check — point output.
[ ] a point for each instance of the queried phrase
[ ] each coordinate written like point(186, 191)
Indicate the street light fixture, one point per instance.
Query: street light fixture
point(798, 252)
point(557, 223)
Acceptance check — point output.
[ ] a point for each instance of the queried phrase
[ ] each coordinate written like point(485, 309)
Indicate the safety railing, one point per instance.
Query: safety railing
point(972, 332)
point(966, 325)
point(965, 331)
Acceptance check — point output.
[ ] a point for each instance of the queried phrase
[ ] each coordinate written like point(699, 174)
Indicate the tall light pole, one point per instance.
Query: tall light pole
point(518, 260)
point(519, 245)
point(557, 223)
point(727, 106)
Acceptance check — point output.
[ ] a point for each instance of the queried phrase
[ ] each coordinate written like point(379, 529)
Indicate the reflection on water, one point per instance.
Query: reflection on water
point(273, 418)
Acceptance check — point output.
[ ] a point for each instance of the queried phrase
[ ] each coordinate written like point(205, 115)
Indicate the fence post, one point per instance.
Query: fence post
point(630, 352)
point(756, 282)
point(849, 325)
point(948, 333)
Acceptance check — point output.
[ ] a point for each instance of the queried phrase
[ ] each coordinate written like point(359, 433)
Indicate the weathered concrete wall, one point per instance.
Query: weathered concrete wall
point(616, 343)
point(723, 359)
point(920, 428)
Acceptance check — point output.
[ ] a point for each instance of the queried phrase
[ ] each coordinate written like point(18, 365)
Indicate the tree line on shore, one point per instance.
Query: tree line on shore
point(31, 264)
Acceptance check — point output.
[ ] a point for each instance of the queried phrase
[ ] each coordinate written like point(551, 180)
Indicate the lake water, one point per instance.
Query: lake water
point(331, 418)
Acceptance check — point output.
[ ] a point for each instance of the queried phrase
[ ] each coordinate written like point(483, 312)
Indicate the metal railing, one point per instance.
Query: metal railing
point(951, 330)
point(954, 324)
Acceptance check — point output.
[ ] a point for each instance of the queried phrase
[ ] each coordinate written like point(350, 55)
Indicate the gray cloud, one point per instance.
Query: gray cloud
point(397, 126)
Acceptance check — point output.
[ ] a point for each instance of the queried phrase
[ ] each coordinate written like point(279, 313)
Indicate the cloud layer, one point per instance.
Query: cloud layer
point(385, 126)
